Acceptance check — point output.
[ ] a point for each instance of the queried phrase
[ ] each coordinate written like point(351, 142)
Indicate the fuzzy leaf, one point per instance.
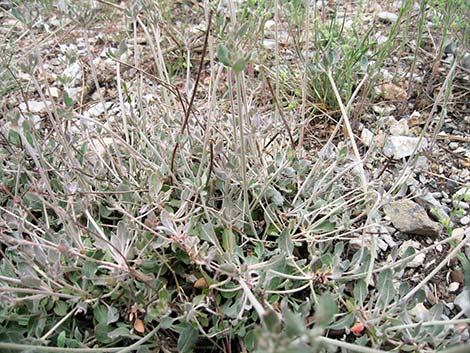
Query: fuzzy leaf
point(187, 339)
point(325, 226)
point(271, 320)
point(239, 65)
point(222, 54)
point(294, 324)
point(119, 332)
point(326, 309)
point(285, 242)
point(360, 291)
point(61, 339)
point(100, 313)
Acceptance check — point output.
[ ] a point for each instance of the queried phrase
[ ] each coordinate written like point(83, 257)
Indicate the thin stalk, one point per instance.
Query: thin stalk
point(349, 131)
point(447, 93)
point(457, 349)
point(348, 346)
point(422, 17)
point(281, 113)
point(38, 291)
point(94, 73)
point(428, 324)
point(304, 79)
point(243, 163)
point(256, 304)
point(57, 325)
point(121, 102)
point(193, 96)
point(276, 39)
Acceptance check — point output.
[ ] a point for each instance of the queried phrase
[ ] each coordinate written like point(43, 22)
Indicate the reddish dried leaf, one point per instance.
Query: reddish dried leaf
point(357, 328)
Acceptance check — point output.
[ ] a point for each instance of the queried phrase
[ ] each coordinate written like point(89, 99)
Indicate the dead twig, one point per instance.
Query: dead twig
point(191, 102)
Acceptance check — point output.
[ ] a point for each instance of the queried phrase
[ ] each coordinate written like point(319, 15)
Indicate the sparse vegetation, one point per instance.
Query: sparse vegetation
point(173, 181)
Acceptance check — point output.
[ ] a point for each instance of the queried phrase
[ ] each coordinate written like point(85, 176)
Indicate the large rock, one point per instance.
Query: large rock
point(409, 217)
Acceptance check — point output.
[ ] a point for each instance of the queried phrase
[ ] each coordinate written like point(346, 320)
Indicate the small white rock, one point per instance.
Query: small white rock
point(462, 301)
point(384, 110)
point(418, 260)
point(422, 163)
point(400, 128)
point(367, 136)
point(269, 24)
point(98, 109)
point(35, 107)
point(453, 286)
point(74, 74)
point(399, 147)
point(320, 4)
point(101, 145)
point(420, 312)
point(465, 192)
point(387, 17)
point(73, 92)
point(380, 38)
point(465, 220)
point(462, 205)
point(55, 93)
point(387, 75)
point(269, 44)
point(466, 61)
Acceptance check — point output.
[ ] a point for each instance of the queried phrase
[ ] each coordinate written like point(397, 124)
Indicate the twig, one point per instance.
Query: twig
point(457, 349)
point(281, 113)
point(348, 346)
point(349, 131)
point(191, 102)
point(121, 8)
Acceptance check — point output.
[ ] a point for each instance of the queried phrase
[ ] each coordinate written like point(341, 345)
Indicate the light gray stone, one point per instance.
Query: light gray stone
point(400, 128)
point(399, 147)
point(429, 202)
point(461, 204)
point(367, 136)
point(464, 192)
point(35, 107)
point(269, 43)
point(387, 17)
point(450, 48)
point(74, 74)
point(463, 301)
point(97, 109)
point(465, 220)
point(418, 260)
point(466, 61)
